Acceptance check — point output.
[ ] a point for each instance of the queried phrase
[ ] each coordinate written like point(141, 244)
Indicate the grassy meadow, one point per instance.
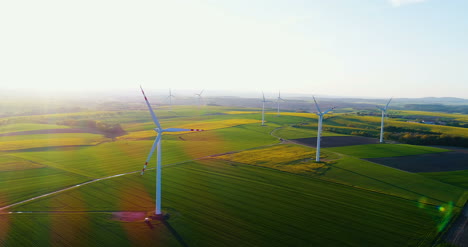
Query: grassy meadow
point(234, 184)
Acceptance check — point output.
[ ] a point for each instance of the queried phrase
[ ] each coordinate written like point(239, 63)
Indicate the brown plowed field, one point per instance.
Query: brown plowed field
point(436, 162)
point(336, 141)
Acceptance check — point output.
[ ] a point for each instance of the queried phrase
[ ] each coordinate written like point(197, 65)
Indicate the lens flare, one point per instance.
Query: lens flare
point(422, 202)
point(447, 211)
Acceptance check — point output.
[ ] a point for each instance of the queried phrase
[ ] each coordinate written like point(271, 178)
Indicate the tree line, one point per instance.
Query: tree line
point(427, 139)
point(107, 129)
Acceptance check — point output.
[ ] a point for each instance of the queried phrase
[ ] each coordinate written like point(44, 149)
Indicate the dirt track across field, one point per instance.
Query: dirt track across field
point(336, 141)
point(435, 162)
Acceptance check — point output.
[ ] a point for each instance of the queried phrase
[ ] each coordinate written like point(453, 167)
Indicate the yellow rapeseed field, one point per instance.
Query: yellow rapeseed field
point(240, 112)
point(138, 135)
point(11, 163)
point(209, 125)
point(49, 140)
point(295, 114)
point(218, 124)
point(289, 158)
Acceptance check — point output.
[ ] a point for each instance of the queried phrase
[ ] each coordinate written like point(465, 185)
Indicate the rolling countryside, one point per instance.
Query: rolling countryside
point(236, 183)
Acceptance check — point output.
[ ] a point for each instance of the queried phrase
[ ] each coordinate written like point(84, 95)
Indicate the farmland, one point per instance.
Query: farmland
point(27, 127)
point(235, 183)
point(215, 202)
point(458, 178)
point(350, 171)
point(384, 150)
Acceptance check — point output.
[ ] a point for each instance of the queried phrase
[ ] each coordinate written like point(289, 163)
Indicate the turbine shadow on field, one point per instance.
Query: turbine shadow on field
point(175, 233)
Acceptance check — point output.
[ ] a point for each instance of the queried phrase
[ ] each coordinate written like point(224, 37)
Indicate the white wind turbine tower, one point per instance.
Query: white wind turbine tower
point(384, 111)
point(278, 102)
point(263, 109)
point(170, 99)
point(320, 114)
point(199, 97)
point(157, 144)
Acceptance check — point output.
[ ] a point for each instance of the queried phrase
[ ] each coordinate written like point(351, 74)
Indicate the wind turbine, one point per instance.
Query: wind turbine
point(384, 111)
point(320, 114)
point(278, 102)
point(170, 99)
point(199, 97)
point(157, 144)
point(263, 108)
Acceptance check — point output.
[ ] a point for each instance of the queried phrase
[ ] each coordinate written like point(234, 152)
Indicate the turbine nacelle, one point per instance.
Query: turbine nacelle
point(384, 109)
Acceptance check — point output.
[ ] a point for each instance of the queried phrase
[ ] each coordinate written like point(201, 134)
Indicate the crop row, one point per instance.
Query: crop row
point(356, 172)
point(214, 202)
point(24, 184)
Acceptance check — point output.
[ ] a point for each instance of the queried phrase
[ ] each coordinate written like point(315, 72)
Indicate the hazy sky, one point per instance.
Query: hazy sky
point(375, 48)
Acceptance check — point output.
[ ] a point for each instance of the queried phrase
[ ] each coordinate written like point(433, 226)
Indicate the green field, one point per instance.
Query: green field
point(215, 202)
point(28, 126)
point(297, 132)
point(351, 171)
point(20, 185)
point(232, 185)
point(124, 156)
point(384, 150)
point(458, 178)
point(19, 142)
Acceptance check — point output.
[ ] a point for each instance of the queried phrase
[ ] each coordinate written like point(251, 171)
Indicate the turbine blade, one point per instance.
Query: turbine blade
point(388, 103)
point(180, 130)
point(331, 109)
point(155, 119)
point(263, 97)
point(316, 105)
point(201, 92)
point(158, 138)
